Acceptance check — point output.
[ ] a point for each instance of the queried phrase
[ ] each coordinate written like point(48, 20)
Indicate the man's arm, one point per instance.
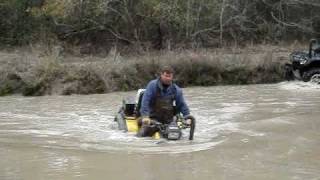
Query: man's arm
point(147, 98)
point(181, 104)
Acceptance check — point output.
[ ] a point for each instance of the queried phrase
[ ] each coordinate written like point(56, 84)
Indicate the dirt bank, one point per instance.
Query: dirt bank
point(35, 73)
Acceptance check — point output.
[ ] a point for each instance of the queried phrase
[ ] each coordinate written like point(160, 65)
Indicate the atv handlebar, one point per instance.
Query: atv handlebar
point(162, 127)
point(192, 127)
point(312, 41)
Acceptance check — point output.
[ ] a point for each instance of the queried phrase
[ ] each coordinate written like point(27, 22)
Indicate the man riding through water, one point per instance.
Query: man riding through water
point(161, 101)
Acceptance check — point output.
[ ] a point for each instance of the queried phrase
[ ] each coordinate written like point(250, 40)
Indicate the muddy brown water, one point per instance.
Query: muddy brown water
point(243, 132)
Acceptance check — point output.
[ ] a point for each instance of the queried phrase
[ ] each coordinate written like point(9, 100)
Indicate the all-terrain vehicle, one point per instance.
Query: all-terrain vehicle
point(128, 118)
point(305, 65)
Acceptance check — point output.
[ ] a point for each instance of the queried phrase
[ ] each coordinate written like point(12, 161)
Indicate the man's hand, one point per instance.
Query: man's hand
point(188, 119)
point(146, 121)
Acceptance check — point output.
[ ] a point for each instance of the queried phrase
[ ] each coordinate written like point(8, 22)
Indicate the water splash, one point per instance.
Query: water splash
point(86, 123)
point(299, 85)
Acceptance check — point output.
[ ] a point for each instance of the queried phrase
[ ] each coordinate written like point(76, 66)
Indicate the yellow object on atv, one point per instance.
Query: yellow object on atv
point(132, 126)
point(156, 135)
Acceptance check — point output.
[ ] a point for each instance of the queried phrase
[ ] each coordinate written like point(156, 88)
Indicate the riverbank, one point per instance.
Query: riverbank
point(33, 73)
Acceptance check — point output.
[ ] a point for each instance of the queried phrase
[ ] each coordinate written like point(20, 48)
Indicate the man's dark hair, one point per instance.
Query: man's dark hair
point(166, 69)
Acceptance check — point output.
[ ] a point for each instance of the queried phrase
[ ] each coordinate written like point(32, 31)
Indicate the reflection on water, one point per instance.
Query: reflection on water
point(243, 132)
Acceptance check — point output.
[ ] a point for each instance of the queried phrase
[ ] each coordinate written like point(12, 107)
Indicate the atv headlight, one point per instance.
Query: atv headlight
point(174, 135)
point(303, 60)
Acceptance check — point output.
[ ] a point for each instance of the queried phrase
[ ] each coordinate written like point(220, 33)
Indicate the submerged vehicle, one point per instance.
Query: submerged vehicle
point(305, 65)
point(129, 120)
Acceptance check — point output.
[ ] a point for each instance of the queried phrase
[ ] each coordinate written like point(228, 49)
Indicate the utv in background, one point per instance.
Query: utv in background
point(305, 65)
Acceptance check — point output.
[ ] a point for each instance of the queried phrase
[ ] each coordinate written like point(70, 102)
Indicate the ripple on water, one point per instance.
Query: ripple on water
point(89, 124)
point(100, 134)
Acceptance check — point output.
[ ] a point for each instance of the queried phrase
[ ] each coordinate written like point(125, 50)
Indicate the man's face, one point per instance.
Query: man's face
point(166, 78)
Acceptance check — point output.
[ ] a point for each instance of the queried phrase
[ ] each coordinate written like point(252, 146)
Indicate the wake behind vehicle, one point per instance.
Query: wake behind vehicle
point(305, 65)
point(128, 119)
